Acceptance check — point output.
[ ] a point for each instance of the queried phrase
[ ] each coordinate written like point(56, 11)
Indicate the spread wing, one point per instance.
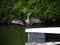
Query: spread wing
point(20, 22)
point(34, 20)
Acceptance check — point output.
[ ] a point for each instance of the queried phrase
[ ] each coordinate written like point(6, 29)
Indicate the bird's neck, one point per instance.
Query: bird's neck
point(28, 17)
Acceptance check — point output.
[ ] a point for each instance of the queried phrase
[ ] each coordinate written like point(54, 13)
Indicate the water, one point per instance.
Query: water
point(12, 35)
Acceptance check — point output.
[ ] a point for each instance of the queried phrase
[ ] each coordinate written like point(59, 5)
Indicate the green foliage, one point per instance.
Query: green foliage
point(42, 9)
point(45, 9)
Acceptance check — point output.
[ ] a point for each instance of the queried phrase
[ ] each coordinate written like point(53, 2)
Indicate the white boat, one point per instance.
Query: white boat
point(54, 30)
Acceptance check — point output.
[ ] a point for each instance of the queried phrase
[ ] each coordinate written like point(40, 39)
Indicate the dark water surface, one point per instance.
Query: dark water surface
point(12, 35)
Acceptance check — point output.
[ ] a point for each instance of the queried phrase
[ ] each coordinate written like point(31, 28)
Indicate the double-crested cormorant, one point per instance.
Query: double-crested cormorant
point(27, 22)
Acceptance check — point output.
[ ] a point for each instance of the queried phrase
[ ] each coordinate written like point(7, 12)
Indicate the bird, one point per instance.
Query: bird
point(28, 22)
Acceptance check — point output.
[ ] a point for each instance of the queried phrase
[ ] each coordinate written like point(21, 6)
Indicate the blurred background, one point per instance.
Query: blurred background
point(46, 10)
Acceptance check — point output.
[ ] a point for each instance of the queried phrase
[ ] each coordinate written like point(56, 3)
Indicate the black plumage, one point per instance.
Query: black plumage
point(28, 22)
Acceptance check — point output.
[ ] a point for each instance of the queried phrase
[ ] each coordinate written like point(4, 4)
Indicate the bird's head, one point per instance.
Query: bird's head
point(29, 14)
